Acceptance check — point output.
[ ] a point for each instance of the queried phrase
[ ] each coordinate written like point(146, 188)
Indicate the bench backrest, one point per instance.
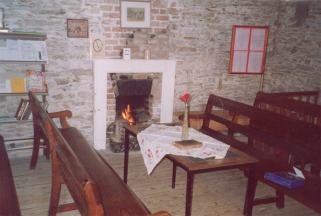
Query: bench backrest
point(298, 139)
point(66, 163)
point(296, 109)
point(303, 96)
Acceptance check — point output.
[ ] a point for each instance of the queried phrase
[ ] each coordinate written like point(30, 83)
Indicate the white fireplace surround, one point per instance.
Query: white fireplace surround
point(102, 67)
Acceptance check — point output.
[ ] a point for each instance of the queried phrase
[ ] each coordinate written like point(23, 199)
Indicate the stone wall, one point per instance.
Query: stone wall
point(196, 33)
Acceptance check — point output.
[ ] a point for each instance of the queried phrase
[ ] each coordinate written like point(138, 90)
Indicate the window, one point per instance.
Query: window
point(248, 49)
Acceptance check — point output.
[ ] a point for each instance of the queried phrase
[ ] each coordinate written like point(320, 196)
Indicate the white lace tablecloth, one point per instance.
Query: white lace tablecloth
point(157, 140)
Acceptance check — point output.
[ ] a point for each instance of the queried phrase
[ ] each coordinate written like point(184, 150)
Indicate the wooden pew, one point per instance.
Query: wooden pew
point(289, 107)
point(9, 204)
point(303, 96)
point(40, 138)
point(272, 138)
point(93, 184)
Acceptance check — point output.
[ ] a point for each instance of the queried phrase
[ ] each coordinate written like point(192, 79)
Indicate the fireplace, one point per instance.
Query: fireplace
point(133, 104)
point(132, 99)
point(104, 109)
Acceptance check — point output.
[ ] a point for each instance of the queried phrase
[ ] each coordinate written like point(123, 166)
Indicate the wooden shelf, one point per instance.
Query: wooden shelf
point(15, 121)
point(22, 93)
point(21, 38)
point(23, 62)
point(23, 35)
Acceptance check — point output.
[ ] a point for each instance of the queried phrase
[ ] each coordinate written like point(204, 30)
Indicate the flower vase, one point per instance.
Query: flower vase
point(185, 135)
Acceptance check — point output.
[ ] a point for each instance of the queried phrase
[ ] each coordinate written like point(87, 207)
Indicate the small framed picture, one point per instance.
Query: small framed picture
point(1, 18)
point(135, 14)
point(77, 28)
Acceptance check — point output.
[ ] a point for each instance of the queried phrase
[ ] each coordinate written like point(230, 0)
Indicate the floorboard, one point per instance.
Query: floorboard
point(215, 194)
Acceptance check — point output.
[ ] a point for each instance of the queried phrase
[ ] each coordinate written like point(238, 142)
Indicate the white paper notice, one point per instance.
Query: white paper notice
point(23, 50)
point(33, 50)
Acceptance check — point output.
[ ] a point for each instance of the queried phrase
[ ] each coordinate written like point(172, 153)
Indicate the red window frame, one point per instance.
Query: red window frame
point(248, 57)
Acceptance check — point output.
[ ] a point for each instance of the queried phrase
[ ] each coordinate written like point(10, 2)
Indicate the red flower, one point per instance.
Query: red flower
point(185, 98)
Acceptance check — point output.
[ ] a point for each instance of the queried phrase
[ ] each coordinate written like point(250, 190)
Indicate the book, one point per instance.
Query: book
point(22, 109)
point(188, 144)
point(19, 108)
point(25, 111)
point(18, 85)
point(35, 81)
point(286, 179)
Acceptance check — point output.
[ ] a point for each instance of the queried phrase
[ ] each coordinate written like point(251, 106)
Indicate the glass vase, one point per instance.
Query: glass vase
point(185, 134)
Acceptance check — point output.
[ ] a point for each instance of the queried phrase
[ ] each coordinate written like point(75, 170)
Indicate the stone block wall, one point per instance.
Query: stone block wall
point(196, 33)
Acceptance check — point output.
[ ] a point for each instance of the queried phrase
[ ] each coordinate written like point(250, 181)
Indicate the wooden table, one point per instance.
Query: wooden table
point(234, 159)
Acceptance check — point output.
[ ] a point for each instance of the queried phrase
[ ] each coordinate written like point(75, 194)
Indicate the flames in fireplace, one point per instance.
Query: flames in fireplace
point(128, 115)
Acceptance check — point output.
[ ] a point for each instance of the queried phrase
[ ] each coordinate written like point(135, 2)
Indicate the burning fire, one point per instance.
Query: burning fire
point(128, 115)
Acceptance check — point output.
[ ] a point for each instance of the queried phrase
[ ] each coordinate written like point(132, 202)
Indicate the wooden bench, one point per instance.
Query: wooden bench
point(93, 184)
point(302, 110)
point(9, 204)
point(40, 138)
point(303, 96)
point(273, 139)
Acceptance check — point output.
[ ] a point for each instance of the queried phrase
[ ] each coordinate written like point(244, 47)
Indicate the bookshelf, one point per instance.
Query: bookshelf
point(29, 50)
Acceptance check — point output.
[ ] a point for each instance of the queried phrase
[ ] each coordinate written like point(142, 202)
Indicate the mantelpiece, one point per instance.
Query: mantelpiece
point(102, 67)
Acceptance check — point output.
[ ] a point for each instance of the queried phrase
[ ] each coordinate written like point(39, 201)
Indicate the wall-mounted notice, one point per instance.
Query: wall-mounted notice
point(23, 50)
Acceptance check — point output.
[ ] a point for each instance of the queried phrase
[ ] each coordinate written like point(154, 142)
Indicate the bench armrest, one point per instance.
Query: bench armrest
point(161, 213)
point(62, 115)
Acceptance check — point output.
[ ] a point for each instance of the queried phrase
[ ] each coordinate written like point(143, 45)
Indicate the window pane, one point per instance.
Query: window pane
point(257, 40)
point(241, 39)
point(239, 61)
point(255, 62)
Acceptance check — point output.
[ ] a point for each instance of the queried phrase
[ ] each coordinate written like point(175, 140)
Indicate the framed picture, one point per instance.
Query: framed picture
point(77, 28)
point(135, 14)
point(1, 18)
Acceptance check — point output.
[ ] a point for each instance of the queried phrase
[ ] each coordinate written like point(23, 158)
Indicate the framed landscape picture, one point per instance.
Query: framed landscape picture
point(135, 14)
point(77, 28)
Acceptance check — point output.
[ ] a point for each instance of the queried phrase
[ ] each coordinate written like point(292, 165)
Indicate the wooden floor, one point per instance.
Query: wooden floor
point(215, 194)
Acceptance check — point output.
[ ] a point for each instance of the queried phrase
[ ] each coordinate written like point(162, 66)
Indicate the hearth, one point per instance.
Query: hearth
point(132, 106)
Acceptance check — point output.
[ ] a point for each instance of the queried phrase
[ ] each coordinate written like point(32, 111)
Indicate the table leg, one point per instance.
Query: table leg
point(126, 151)
point(250, 191)
point(174, 175)
point(189, 194)
point(280, 199)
